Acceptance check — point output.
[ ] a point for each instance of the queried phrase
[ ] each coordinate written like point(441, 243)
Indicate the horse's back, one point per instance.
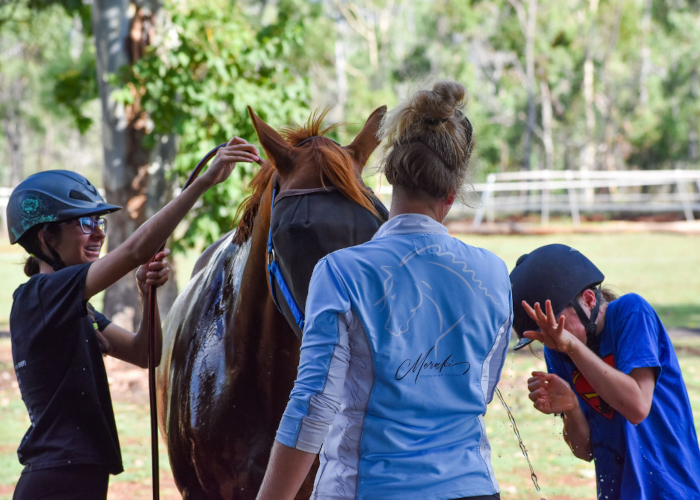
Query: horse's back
point(193, 383)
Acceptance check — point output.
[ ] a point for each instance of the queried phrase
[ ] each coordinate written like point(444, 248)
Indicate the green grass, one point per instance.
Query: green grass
point(11, 276)
point(663, 268)
point(560, 474)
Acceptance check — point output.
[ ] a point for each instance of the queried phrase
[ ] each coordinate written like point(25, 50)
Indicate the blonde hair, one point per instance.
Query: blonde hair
point(429, 141)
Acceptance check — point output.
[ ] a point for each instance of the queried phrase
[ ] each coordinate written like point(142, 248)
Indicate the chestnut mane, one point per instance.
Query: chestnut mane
point(335, 168)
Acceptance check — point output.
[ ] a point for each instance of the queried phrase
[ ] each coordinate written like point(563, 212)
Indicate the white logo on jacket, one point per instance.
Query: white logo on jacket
point(405, 297)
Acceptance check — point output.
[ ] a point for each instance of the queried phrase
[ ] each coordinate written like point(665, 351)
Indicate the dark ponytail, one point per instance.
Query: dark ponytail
point(31, 266)
point(30, 242)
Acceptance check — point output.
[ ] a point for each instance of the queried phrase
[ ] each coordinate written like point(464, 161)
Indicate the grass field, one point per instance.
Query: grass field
point(663, 268)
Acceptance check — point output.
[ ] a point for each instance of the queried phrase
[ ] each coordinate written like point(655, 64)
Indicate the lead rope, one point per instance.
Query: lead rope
point(152, 343)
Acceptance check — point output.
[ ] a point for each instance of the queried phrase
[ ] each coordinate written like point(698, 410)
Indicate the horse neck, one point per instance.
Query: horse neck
point(260, 341)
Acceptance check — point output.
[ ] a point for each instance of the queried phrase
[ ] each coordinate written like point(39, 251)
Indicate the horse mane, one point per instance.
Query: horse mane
point(336, 169)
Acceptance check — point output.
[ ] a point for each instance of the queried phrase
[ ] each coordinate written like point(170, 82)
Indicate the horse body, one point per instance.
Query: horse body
point(229, 357)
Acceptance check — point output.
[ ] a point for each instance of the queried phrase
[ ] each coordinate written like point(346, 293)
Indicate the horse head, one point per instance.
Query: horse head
point(321, 203)
point(230, 358)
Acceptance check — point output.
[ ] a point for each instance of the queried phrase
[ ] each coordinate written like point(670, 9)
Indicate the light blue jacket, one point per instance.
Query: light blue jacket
point(404, 343)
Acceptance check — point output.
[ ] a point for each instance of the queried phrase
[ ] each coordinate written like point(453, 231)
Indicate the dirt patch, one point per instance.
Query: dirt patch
point(134, 491)
point(127, 383)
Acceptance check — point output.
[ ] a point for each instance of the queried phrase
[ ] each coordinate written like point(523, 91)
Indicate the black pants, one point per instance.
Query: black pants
point(71, 482)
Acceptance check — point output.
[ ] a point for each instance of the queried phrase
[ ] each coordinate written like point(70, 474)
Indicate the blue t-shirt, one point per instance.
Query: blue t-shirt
point(659, 458)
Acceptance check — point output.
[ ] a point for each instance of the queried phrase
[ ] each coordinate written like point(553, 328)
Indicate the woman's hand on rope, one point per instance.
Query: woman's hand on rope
point(225, 160)
point(155, 272)
point(550, 393)
point(552, 333)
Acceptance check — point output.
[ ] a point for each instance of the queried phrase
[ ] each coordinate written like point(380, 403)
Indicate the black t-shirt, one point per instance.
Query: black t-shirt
point(61, 374)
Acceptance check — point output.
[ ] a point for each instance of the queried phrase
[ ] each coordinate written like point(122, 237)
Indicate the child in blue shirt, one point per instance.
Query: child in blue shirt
point(613, 374)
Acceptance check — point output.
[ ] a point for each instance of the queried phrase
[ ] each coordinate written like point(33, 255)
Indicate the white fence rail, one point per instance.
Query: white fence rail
point(563, 191)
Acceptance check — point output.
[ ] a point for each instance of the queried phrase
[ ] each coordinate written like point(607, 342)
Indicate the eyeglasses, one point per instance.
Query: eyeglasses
point(88, 224)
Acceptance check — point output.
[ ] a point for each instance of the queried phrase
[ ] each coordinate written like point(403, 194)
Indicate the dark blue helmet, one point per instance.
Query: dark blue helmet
point(557, 273)
point(52, 196)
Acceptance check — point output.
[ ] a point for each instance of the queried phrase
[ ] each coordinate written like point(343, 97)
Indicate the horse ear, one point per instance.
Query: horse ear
point(366, 141)
point(276, 147)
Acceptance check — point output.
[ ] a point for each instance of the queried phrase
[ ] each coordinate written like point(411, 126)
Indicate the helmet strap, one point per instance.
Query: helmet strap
point(56, 263)
point(589, 323)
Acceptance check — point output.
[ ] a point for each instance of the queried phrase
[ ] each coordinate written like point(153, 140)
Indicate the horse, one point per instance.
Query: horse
point(229, 355)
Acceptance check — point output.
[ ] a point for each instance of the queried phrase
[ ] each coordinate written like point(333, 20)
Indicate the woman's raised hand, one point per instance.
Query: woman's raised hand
point(225, 160)
point(154, 273)
point(551, 393)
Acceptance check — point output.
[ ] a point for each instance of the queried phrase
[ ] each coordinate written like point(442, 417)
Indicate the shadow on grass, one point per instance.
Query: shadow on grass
point(679, 315)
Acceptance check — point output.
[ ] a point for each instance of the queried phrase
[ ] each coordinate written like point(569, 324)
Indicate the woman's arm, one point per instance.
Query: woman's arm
point(286, 472)
point(133, 347)
point(317, 395)
point(631, 395)
point(148, 238)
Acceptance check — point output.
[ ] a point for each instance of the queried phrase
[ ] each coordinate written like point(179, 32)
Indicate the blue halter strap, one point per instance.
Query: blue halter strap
point(275, 276)
point(274, 271)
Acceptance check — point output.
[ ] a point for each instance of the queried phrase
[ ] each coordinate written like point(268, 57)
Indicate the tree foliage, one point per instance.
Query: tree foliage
point(40, 47)
point(608, 84)
point(208, 63)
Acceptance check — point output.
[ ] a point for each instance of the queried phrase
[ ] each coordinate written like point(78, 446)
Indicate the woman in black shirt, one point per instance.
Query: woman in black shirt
point(58, 339)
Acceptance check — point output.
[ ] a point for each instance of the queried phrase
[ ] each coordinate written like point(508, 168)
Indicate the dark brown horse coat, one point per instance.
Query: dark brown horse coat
point(229, 357)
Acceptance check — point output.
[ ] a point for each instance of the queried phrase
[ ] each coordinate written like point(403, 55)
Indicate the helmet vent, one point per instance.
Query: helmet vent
point(77, 195)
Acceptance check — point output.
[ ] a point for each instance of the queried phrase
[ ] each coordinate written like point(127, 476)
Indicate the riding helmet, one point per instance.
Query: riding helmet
point(52, 196)
point(557, 273)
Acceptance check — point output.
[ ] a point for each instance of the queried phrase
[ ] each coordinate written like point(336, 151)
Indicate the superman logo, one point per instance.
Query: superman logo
point(588, 394)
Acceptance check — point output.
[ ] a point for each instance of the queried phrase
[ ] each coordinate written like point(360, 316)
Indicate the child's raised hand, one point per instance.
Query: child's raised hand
point(551, 393)
point(552, 333)
point(225, 160)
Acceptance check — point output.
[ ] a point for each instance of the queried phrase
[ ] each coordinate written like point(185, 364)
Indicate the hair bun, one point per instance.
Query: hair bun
point(428, 140)
point(441, 102)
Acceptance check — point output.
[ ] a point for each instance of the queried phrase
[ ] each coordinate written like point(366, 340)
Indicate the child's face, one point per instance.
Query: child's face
point(573, 323)
point(587, 301)
point(76, 247)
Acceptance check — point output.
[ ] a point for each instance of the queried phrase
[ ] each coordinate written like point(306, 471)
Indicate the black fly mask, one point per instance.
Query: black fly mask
point(308, 224)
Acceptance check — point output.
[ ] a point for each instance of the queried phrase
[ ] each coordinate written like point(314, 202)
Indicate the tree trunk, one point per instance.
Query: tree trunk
point(341, 76)
point(694, 125)
point(530, 71)
point(159, 193)
point(646, 55)
point(547, 123)
point(588, 162)
point(12, 126)
point(610, 134)
point(120, 39)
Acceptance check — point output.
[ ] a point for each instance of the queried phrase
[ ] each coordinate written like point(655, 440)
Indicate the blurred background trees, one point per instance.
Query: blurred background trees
point(136, 92)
